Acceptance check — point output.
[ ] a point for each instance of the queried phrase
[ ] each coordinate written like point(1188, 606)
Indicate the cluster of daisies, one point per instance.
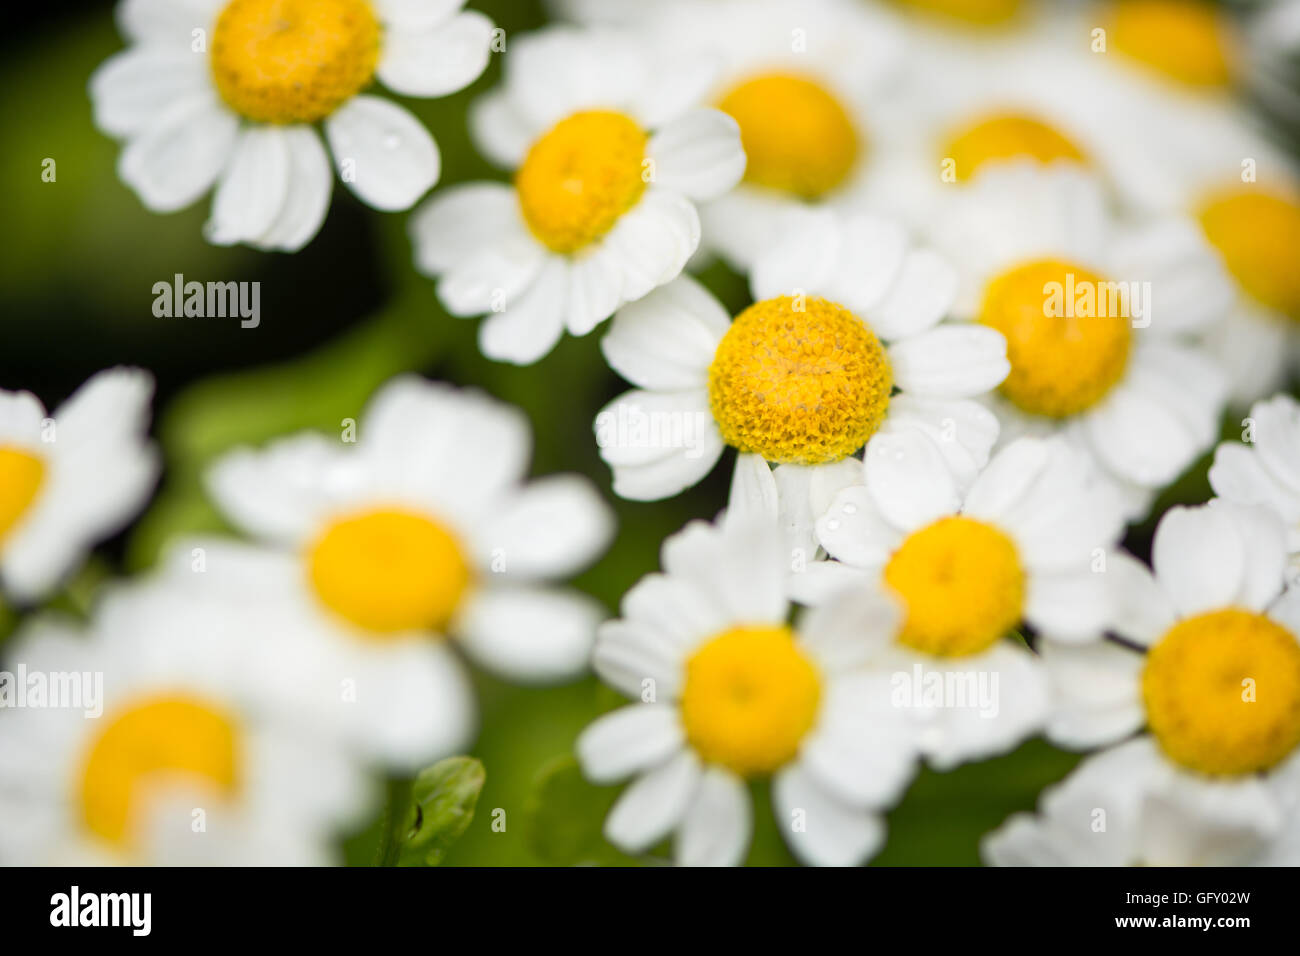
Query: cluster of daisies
point(1012, 266)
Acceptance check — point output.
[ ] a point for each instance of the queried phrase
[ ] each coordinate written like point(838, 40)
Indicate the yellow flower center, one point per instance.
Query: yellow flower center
point(293, 61)
point(975, 12)
point(1222, 692)
point(962, 584)
point(389, 571)
point(21, 476)
point(1184, 40)
point(1007, 136)
point(161, 740)
point(1257, 233)
point(798, 138)
point(803, 381)
point(580, 177)
point(1068, 335)
point(750, 697)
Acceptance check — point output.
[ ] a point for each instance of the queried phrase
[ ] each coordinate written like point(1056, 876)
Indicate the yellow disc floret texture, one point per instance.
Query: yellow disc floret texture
point(1004, 137)
point(168, 739)
point(799, 381)
point(1258, 233)
point(21, 477)
point(389, 571)
point(1222, 692)
point(973, 12)
point(580, 177)
point(293, 61)
point(750, 697)
point(1184, 40)
point(1068, 335)
point(962, 584)
point(797, 136)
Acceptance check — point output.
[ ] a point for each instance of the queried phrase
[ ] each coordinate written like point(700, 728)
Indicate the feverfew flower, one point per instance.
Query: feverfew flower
point(610, 152)
point(231, 91)
point(425, 530)
point(728, 692)
point(157, 741)
point(1098, 320)
point(70, 479)
point(1211, 669)
point(843, 349)
point(1025, 545)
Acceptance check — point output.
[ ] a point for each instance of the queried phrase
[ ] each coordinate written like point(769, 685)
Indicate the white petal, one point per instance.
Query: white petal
point(850, 630)
point(909, 479)
point(629, 739)
point(528, 328)
point(595, 290)
point(830, 834)
point(698, 154)
point(438, 61)
point(667, 339)
point(1142, 610)
point(921, 295)
point(658, 443)
point(964, 430)
point(854, 531)
point(308, 199)
point(462, 219)
point(634, 657)
point(653, 241)
point(742, 565)
point(132, 89)
point(754, 496)
point(1096, 693)
point(717, 826)
point(1277, 438)
point(552, 528)
point(1199, 558)
point(177, 159)
point(530, 634)
point(416, 14)
point(384, 154)
point(498, 130)
point(253, 189)
point(165, 22)
point(490, 277)
point(649, 809)
point(951, 361)
point(1069, 605)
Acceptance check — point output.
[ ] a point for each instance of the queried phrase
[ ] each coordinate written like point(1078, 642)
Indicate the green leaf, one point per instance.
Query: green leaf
point(564, 814)
point(443, 799)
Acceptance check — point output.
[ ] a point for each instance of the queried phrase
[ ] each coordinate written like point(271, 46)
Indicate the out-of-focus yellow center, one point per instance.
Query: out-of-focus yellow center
point(160, 740)
point(390, 571)
point(798, 137)
point(1068, 335)
point(580, 177)
point(962, 584)
point(1222, 692)
point(750, 697)
point(1007, 136)
point(1258, 235)
point(974, 12)
point(293, 61)
point(800, 381)
point(21, 476)
point(1185, 40)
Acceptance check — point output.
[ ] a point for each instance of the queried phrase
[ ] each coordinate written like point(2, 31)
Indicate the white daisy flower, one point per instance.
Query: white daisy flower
point(71, 479)
point(730, 692)
point(1266, 471)
point(811, 85)
point(424, 529)
point(609, 153)
point(1211, 669)
point(844, 348)
point(161, 746)
point(1024, 545)
point(1098, 319)
point(229, 92)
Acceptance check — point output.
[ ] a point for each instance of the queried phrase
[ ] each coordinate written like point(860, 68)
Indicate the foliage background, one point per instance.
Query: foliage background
point(80, 258)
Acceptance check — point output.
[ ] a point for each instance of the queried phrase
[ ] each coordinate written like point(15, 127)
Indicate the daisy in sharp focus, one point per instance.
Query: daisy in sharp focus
point(1265, 470)
point(424, 530)
point(70, 479)
point(1099, 319)
point(1210, 667)
point(1022, 546)
point(843, 349)
point(729, 693)
point(166, 749)
point(230, 92)
point(611, 149)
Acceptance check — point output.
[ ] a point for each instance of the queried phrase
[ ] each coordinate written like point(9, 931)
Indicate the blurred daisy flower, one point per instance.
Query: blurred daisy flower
point(1023, 546)
point(1266, 470)
point(229, 92)
point(170, 754)
point(843, 349)
point(1098, 319)
point(1211, 668)
point(610, 152)
point(70, 479)
point(424, 530)
point(729, 692)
